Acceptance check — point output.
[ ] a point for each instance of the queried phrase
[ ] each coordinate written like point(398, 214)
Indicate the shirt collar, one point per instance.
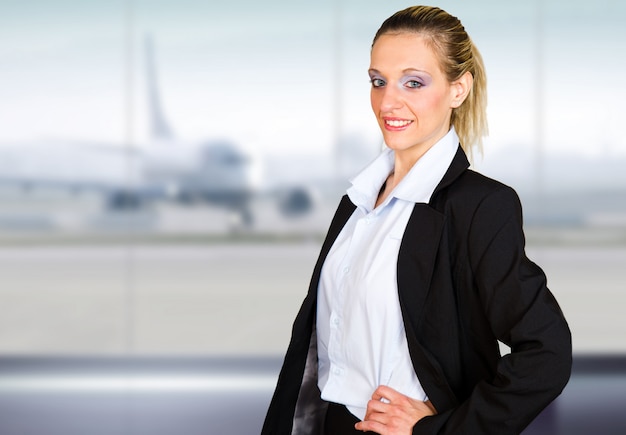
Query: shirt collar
point(417, 186)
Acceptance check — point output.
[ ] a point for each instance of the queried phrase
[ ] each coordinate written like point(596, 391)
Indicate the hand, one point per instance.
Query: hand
point(392, 413)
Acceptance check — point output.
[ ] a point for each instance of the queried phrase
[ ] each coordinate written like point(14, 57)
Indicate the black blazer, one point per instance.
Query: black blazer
point(464, 282)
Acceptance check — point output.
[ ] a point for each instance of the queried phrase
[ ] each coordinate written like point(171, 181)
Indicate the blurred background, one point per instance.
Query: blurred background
point(168, 170)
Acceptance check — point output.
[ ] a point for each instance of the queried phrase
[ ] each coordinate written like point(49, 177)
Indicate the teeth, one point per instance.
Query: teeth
point(397, 123)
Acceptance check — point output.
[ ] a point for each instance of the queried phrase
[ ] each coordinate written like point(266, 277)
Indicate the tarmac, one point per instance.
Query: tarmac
point(235, 299)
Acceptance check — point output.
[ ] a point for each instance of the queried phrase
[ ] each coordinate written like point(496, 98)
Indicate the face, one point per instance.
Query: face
point(411, 97)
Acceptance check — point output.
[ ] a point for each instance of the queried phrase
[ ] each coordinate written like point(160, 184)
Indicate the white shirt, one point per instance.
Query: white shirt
point(360, 332)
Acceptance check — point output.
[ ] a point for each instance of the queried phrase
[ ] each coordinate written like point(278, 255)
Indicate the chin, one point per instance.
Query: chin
point(398, 145)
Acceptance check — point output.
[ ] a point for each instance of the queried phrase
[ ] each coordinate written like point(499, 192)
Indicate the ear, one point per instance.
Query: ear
point(461, 88)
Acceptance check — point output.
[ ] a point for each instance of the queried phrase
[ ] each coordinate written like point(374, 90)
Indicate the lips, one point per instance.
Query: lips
point(396, 123)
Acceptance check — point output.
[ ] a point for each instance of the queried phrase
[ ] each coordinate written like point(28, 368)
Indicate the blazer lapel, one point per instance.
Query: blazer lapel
point(416, 264)
point(416, 259)
point(457, 167)
point(420, 244)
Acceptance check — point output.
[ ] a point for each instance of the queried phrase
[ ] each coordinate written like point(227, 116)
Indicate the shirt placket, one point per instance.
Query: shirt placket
point(343, 296)
point(350, 269)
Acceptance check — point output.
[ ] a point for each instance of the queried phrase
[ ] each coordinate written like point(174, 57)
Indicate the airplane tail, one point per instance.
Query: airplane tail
point(159, 127)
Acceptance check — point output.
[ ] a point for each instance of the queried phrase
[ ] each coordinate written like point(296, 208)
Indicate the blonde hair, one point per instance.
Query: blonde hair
point(458, 55)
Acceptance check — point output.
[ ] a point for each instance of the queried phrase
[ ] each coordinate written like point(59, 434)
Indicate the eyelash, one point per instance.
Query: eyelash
point(411, 84)
point(377, 83)
point(416, 83)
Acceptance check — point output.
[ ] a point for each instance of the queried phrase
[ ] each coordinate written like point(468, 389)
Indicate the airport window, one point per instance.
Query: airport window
point(167, 172)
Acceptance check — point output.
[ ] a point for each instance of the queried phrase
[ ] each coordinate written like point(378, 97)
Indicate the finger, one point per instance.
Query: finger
point(377, 406)
point(376, 413)
point(385, 392)
point(370, 425)
point(378, 418)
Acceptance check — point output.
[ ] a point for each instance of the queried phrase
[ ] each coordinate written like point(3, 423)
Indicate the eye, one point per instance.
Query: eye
point(377, 82)
point(413, 84)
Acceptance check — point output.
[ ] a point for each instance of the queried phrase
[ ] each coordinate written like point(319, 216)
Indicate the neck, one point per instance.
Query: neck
point(406, 159)
point(403, 162)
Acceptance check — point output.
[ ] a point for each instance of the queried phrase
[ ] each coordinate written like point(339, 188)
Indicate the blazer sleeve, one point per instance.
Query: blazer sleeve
point(523, 314)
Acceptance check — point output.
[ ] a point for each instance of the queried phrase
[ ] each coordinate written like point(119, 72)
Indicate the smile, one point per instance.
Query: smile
point(397, 123)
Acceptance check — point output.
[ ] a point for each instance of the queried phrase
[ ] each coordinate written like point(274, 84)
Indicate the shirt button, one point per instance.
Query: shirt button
point(346, 269)
point(337, 371)
point(336, 321)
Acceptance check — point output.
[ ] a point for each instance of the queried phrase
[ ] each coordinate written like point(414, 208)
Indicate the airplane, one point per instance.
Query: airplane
point(216, 171)
point(221, 173)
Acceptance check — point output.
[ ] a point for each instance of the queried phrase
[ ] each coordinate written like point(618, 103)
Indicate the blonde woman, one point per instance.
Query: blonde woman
point(423, 269)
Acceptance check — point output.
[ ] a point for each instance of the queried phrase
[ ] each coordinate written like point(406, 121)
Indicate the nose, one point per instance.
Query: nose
point(390, 99)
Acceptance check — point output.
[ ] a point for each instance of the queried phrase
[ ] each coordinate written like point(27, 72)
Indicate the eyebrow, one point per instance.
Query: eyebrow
point(405, 71)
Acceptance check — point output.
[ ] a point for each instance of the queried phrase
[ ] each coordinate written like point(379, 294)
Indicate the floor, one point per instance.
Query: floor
point(226, 396)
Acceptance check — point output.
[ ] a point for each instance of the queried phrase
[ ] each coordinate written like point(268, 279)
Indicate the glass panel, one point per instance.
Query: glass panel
point(168, 169)
point(63, 153)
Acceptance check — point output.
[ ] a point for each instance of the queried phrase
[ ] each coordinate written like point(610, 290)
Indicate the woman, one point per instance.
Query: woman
point(423, 269)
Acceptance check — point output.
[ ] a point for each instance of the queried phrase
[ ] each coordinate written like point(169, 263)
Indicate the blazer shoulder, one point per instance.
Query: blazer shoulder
point(473, 190)
point(475, 180)
point(472, 184)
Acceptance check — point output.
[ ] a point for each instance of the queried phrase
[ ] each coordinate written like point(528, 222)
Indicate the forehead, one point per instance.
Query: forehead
point(402, 51)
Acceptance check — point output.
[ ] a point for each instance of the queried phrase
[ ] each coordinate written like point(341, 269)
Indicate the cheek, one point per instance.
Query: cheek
point(375, 101)
point(428, 104)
